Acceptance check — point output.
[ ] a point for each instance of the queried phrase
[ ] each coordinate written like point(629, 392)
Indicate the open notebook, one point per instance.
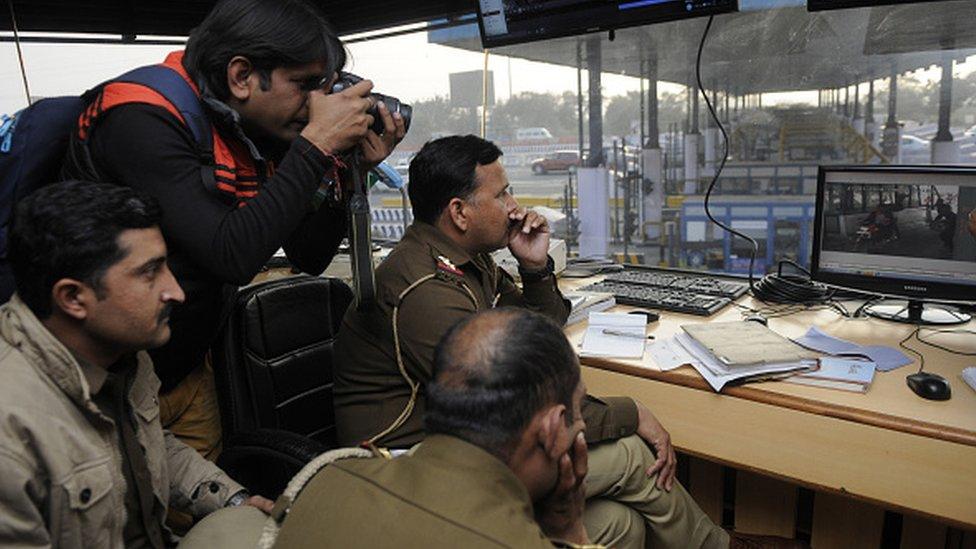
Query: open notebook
point(617, 335)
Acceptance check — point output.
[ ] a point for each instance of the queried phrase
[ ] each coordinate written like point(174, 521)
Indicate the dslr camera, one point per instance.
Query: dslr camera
point(347, 80)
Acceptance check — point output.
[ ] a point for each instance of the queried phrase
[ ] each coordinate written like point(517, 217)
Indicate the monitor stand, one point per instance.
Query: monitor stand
point(917, 312)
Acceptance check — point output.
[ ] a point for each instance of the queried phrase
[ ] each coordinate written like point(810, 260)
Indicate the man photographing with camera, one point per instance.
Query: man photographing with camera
point(275, 177)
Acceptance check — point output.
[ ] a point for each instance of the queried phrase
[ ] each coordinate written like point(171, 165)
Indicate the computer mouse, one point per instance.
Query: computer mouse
point(930, 386)
point(650, 316)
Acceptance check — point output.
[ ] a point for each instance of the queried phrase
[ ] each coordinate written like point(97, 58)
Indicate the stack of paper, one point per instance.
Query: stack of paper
point(838, 373)
point(615, 335)
point(727, 352)
point(885, 358)
point(584, 303)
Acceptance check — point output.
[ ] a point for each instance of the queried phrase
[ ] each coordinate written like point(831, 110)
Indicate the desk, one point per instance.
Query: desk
point(886, 446)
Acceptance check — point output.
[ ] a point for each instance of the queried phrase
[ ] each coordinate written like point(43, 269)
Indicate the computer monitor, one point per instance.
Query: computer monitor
point(904, 232)
point(505, 22)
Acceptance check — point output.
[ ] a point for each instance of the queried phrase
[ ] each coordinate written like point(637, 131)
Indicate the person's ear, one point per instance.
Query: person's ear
point(240, 75)
point(552, 424)
point(72, 298)
point(458, 215)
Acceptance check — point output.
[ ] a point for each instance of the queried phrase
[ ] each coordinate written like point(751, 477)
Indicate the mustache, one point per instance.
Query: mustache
point(164, 314)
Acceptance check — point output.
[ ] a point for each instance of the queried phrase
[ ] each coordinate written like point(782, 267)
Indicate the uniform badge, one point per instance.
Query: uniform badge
point(445, 265)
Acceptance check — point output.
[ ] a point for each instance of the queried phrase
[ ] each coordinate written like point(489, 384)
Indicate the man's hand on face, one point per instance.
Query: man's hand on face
point(528, 239)
point(651, 430)
point(560, 514)
point(377, 147)
point(261, 503)
point(338, 121)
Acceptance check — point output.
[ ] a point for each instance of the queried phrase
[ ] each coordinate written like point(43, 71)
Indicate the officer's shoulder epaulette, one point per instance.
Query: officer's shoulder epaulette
point(447, 270)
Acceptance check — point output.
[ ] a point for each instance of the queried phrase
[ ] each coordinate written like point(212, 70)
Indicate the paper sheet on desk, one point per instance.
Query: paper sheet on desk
point(885, 358)
point(597, 343)
point(668, 354)
point(718, 375)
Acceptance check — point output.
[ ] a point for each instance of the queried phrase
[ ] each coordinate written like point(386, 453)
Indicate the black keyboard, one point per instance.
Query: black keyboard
point(669, 290)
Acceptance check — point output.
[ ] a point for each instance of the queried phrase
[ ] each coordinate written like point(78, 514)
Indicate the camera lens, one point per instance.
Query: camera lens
point(347, 79)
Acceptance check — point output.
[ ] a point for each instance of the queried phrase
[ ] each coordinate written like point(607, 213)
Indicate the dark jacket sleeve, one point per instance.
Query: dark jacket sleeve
point(542, 296)
point(607, 418)
point(146, 148)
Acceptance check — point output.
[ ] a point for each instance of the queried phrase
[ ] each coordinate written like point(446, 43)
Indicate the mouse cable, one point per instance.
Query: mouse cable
point(921, 357)
point(725, 157)
point(936, 331)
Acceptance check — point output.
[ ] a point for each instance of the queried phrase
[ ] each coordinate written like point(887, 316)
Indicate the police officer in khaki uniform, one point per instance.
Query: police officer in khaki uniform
point(503, 464)
point(441, 273)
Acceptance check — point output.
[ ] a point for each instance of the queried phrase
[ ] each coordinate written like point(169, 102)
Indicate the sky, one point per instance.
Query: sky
point(404, 66)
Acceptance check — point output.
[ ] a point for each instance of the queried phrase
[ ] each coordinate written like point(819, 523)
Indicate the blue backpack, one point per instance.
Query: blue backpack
point(33, 142)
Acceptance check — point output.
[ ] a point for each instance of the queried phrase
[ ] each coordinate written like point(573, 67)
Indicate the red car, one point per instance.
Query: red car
point(559, 161)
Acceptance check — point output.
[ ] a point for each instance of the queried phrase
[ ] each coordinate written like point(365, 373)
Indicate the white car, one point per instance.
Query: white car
point(915, 150)
point(971, 132)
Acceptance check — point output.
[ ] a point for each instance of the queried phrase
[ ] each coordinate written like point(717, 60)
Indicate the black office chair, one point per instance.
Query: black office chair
point(273, 369)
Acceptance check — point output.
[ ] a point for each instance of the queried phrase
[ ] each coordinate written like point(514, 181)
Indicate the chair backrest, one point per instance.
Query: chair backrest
point(273, 359)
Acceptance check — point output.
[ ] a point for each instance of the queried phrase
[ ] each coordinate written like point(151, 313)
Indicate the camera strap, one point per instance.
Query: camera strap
point(360, 238)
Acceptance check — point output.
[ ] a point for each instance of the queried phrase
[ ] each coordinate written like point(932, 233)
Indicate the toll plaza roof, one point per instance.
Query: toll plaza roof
point(772, 50)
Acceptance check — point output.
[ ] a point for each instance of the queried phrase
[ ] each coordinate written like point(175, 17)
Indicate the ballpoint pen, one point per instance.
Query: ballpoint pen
point(626, 334)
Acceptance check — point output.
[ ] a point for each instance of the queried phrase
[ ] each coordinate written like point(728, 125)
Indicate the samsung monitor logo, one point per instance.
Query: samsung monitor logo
point(921, 289)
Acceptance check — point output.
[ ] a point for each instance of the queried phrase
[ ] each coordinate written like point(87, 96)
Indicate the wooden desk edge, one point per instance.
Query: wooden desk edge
point(876, 419)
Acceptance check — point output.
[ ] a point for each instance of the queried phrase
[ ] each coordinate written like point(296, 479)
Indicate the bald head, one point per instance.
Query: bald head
point(494, 371)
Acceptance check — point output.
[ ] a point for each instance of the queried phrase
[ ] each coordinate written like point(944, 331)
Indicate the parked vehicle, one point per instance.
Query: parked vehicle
point(558, 161)
point(534, 135)
point(915, 150)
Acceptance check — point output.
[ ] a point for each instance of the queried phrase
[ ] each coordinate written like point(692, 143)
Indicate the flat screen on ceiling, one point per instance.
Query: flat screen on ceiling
point(507, 22)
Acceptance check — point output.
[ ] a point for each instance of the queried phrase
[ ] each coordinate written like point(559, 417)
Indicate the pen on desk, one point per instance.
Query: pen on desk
point(626, 334)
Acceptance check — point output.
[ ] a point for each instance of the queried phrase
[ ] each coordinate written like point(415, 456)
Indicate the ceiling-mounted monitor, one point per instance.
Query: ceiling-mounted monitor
point(505, 22)
point(820, 5)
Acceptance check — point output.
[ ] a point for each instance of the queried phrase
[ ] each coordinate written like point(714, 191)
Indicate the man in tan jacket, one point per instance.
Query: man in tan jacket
point(84, 460)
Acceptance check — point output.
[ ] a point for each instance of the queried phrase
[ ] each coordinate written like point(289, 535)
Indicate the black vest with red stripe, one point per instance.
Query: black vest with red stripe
point(231, 170)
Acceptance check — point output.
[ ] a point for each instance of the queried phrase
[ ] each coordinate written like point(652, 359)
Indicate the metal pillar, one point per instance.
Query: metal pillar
point(892, 129)
point(692, 138)
point(869, 113)
point(653, 132)
point(579, 95)
point(727, 115)
point(944, 150)
point(847, 101)
point(594, 65)
point(711, 136)
point(641, 99)
point(858, 122)
point(593, 178)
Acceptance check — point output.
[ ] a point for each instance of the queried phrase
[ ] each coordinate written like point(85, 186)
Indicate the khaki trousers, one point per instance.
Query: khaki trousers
point(231, 527)
point(623, 504)
point(190, 412)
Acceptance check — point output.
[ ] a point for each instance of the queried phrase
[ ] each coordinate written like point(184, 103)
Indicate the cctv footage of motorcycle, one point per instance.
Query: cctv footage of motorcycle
point(899, 220)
